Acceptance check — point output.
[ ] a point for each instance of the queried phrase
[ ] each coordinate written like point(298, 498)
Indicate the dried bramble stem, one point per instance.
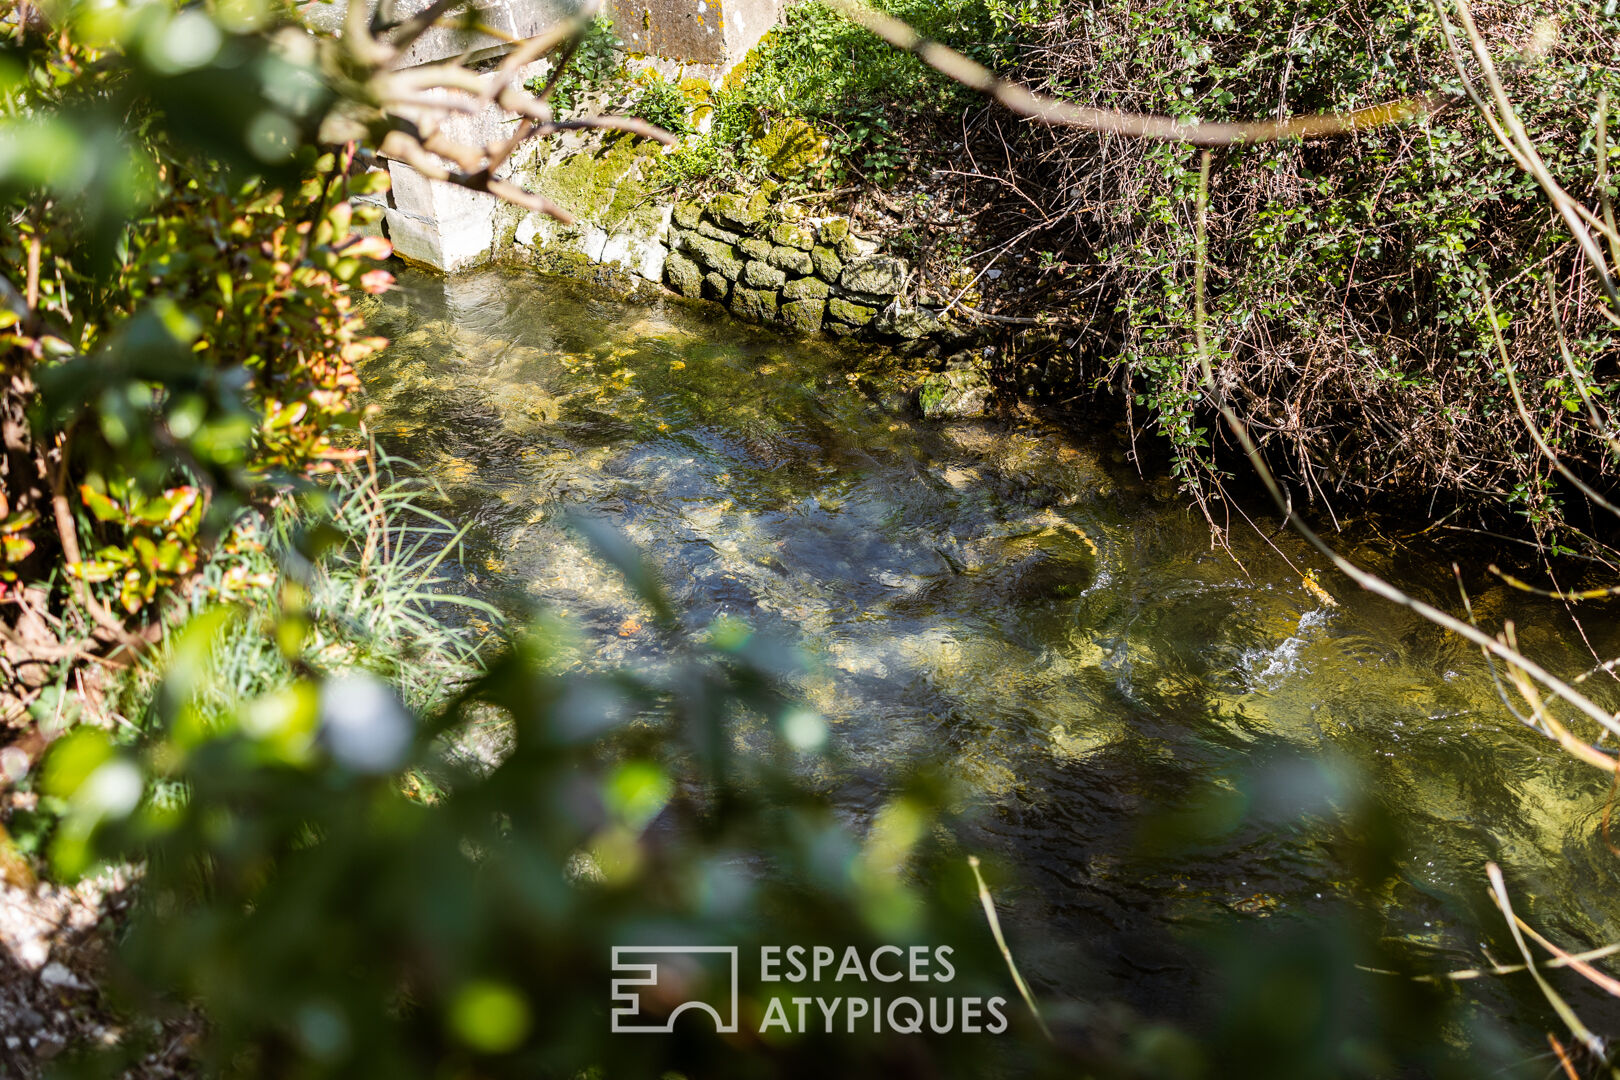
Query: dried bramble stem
point(1048, 110)
point(989, 905)
point(404, 121)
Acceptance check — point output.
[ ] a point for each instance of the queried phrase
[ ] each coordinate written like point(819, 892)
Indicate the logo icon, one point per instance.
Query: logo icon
point(667, 975)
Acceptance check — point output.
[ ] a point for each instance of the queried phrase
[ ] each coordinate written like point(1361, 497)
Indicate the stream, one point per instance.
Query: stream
point(1016, 600)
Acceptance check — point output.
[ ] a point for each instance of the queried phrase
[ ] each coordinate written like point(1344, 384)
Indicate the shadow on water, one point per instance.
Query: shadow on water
point(1158, 743)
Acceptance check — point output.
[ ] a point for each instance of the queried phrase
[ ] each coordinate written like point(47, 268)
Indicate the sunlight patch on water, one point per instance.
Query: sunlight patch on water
point(1269, 667)
point(988, 596)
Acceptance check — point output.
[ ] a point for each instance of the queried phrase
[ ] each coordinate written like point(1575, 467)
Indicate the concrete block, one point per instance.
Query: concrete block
point(717, 32)
point(415, 239)
point(439, 224)
point(617, 250)
point(592, 242)
point(519, 18)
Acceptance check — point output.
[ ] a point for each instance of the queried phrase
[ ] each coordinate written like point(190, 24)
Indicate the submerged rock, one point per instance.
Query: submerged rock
point(845, 311)
point(954, 394)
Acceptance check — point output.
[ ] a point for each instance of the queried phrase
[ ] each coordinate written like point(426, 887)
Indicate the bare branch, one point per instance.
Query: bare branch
point(1526, 155)
point(413, 28)
point(627, 124)
point(412, 103)
point(1048, 110)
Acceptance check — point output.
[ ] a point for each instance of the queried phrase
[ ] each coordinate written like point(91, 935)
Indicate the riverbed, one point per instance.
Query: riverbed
point(1017, 601)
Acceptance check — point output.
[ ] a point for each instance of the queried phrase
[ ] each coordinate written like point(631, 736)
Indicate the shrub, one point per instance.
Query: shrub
point(662, 103)
point(344, 890)
point(596, 63)
point(360, 569)
point(1348, 276)
point(175, 319)
point(820, 68)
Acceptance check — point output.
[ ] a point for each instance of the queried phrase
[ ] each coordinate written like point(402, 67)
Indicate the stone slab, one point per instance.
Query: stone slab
point(717, 32)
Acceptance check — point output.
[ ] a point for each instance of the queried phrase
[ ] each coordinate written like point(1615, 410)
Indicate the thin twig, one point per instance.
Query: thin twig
point(1006, 953)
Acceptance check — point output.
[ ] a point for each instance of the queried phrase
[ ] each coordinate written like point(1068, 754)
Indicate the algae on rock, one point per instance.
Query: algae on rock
point(960, 392)
point(847, 311)
point(685, 275)
point(762, 275)
point(805, 316)
point(878, 275)
point(755, 305)
point(607, 188)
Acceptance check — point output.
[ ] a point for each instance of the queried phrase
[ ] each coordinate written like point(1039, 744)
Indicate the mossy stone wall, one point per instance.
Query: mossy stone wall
point(811, 276)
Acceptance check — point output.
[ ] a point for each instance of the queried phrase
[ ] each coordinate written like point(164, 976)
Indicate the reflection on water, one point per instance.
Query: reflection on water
point(1017, 601)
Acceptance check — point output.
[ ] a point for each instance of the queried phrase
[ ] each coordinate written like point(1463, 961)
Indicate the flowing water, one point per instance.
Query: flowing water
point(1018, 600)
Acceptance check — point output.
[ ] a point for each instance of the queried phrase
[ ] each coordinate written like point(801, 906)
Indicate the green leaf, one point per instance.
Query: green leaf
point(15, 548)
point(100, 506)
point(73, 758)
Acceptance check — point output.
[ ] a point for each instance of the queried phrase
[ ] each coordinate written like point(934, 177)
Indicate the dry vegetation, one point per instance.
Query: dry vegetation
point(1353, 273)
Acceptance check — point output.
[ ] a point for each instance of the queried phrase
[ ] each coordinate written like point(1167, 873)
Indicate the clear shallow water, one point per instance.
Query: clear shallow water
point(1015, 601)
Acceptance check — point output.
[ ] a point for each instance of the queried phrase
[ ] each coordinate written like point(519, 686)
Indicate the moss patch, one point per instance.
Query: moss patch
point(792, 147)
point(607, 188)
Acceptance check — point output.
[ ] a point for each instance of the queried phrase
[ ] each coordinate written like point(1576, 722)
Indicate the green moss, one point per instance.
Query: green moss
point(790, 259)
point(787, 234)
point(819, 93)
point(754, 305)
point(715, 232)
point(953, 393)
point(848, 312)
point(804, 315)
point(828, 264)
point(791, 147)
point(715, 255)
point(833, 231)
point(633, 209)
point(606, 188)
point(761, 275)
point(688, 213)
point(566, 262)
point(684, 275)
point(737, 212)
point(805, 289)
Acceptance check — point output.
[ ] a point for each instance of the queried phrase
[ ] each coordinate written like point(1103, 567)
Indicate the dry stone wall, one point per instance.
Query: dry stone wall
point(768, 264)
